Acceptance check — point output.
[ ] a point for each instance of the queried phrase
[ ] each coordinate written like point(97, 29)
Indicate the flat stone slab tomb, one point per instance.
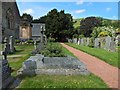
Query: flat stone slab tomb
point(53, 66)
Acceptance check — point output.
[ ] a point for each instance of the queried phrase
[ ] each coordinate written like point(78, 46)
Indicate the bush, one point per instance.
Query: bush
point(51, 39)
point(17, 41)
point(53, 50)
point(30, 41)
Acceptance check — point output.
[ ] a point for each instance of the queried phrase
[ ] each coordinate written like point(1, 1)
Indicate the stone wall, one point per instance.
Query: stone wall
point(10, 19)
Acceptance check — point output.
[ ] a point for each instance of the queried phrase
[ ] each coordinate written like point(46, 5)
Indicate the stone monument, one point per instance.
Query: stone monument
point(7, 79)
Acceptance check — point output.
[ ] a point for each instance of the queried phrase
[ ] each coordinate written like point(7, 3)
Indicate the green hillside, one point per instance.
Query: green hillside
point(77, 22)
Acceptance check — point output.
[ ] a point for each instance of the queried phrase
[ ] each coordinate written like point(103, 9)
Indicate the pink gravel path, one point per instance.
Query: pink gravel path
point(106, 72)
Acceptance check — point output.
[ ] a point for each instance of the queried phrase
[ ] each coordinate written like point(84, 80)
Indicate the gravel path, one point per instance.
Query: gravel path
point(106, 72)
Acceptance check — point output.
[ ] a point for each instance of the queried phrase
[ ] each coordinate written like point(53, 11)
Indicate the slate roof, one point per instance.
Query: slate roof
point(36, 29)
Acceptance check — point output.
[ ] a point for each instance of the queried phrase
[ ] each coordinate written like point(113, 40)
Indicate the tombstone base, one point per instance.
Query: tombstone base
point(7, 82)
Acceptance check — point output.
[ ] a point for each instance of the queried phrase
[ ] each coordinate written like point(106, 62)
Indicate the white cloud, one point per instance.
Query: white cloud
point(80, 11)
point(108, 9)
point(28, 11)
point(79, 2)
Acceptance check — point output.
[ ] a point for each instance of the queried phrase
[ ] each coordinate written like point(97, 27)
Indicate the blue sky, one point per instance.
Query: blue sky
point(76, 9)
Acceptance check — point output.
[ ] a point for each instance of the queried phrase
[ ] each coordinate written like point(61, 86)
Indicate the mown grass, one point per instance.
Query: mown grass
point(62, 81)
point(109, 57)
point(16, 62)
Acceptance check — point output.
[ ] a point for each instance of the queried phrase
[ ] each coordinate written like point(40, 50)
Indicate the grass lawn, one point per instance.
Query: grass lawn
point(62, 81)
point(109, 57)
point(16, 62)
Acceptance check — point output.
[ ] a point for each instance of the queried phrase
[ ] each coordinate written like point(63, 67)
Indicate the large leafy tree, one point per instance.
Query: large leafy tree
point(59, 25)
point(88, 24)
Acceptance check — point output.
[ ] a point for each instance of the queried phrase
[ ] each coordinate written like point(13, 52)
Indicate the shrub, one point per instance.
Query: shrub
point(17, 41)
point(53, 50)
point(30, 41)
point(51, 39)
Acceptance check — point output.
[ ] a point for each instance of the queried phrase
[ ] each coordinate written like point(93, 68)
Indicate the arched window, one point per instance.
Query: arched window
point(10, 19)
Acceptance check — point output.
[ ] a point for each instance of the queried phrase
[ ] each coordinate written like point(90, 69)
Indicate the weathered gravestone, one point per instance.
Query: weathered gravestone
point(75, 40)
point(6, 45)
point(97, 43)
point(88, 41)
point(79, 41)
point(11, 43)
point(113, 45)
point(82, 41)
point(102, 42)
point(107, 43)
point(7, 79)
point(53, 66)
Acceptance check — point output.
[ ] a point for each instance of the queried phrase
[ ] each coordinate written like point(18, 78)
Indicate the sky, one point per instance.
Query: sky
point(78, 9)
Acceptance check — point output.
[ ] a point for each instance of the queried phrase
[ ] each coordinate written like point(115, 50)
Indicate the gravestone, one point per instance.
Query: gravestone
point(82, 41)
point(102, 42)
point(85, 41)
point(6, 45)
point(88, 41)
point(11, 43)
point(79, 41)
point(75, 40)
point(107, 43)
point(97, 43)
point(53, 65)
point(113, 45)
point(7, 79)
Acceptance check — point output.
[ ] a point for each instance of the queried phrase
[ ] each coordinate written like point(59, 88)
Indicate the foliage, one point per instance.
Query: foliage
point(103, 34)
point(109, 57)
point(30, 41)
point(105, 30)
point(88, 24)
point(75, 36)
point(53, 50)
point(59, 25)
point(27, 17)
point(81, 36)
point(51, 39)
point(17, 41)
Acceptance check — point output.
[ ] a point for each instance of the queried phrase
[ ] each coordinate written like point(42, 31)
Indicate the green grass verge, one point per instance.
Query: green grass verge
point(16, 62)
point(109, 57)
point(61, 81)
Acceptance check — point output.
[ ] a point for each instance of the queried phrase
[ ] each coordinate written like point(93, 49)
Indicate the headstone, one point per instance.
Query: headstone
point(107, 43)
point(11, 42)
point(82, 41)
point(102, 42)
point(39, 64)
point(88, 41)
point(6, 45)
point(75, 40)
point(6, 71)
point(113, 45)
point(79, 41)
point(97, 43)
point(85, 41)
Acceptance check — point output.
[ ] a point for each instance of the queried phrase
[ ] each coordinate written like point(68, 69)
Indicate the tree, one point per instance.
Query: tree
point(27, 17)
point(59, 25)
point(88, 24)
